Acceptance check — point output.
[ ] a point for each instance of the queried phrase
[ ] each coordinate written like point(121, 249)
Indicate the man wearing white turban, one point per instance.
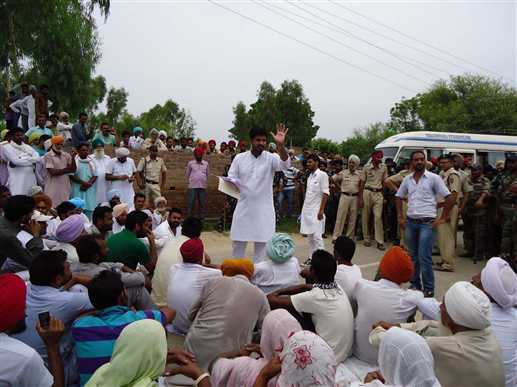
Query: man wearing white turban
point(499, 282)
point(348, 180)
point(471, 356)
point(120, 171)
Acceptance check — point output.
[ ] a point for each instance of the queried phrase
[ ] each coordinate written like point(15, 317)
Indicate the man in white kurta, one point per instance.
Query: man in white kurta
point(252, 172)
point(21, 161)
point(101, 162)
point(312, 221)
point(120, 171)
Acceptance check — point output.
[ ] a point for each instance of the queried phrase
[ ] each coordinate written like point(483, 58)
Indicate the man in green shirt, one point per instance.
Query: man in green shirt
point(125, 247)
point(105, 135)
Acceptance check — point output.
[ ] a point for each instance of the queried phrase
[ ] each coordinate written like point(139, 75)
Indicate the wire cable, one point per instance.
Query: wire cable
point(413, 38)
point(342, 44)
point(311, 46)
point(337, 28)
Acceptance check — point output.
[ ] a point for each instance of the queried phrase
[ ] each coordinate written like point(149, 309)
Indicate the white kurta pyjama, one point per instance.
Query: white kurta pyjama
point(103, 186)
point(116, 168)
point(317, 186)
point(22, 177)
point(254, 216)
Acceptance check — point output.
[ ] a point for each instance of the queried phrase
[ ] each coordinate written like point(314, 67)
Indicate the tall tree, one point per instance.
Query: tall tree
point(116, 103)
point(169, 117)
point(363, 141)
point(467, 103)
point(241, 122)
point(53, 42)
point(288, 104)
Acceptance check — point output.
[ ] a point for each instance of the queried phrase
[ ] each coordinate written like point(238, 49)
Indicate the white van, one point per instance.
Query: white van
point(479, 148)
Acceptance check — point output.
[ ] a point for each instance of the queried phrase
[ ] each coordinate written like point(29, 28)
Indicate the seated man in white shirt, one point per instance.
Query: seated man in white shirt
point(170, 229)
point(21, 365)
point(186, 281)
point(169, 256)
point(383, 300)
point(325, 301)
point(347, 273)
point(281, 269)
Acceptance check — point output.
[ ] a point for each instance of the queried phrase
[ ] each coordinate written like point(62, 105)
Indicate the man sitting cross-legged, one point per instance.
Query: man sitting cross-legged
point(325, 301)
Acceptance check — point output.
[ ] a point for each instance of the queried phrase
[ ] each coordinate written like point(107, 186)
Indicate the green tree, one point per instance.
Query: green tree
point(363, 141)
point(53, 42)
point(325, 145)
point(467, 103)
point(176, 121)
point(241, 122)
point(288, 104)
point(116, 103)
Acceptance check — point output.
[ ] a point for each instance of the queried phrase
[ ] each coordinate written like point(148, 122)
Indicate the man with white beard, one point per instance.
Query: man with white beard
point(121, 173)
point(101, 162)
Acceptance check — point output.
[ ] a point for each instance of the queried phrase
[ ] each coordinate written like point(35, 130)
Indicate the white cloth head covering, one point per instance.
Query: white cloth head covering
point(467, 305)
point(154, 131)
point(354, 158)
point(500, 282)
point(119, 209)
point(405, 359)
point(307, 360)
point(162, 133)
point(121, 152)
point(158, 200)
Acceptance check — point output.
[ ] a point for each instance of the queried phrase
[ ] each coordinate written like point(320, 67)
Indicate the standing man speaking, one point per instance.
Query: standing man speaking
point(252, 172)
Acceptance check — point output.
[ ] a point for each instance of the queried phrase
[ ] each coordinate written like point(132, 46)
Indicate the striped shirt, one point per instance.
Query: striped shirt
point(95, 335)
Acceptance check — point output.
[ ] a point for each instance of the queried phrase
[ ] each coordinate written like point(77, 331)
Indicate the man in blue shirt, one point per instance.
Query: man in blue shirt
point(40, 127)
point(79, 134)
point(49, 272)
point(95, 335)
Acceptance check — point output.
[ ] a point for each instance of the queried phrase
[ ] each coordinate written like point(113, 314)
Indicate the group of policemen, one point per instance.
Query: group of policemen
point(485, 201)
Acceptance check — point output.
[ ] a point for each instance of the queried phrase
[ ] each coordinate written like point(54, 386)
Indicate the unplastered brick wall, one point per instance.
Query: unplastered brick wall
point(177, 183)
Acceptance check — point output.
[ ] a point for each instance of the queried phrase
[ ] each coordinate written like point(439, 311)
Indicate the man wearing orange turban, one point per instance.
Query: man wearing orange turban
point(231, 267)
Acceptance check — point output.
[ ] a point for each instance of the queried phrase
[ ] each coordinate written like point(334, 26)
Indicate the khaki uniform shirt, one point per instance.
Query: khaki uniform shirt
point(152, 169)
point(452, 180)
point(397, 178)
point(466, 359)
point(349, 181)
point(465, 183)
point(373, 177)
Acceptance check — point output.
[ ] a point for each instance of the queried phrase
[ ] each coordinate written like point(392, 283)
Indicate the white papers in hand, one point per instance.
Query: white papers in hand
point(228, 188)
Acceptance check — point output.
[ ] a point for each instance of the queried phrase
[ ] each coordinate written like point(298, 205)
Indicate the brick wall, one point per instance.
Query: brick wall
point(176, 183)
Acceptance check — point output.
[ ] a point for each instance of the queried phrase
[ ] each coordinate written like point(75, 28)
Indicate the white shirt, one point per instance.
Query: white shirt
point(21, 178)
point(504, 328)
point(332, 317)
point(379, 300)
point(103, 186)
point(254, 215)
point(422, 197)
point(163, 234)
point(270, 276)
point(70, 250)
point(186, 280)
point(52, 226)
point(125, 188)
point(347, 277)
point(21, 366)
point(168, 256)
point(117, 227)
point(317, 186)
point(135, 142)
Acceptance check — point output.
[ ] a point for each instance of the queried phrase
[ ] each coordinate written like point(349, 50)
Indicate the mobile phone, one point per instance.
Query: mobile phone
point(44, 319)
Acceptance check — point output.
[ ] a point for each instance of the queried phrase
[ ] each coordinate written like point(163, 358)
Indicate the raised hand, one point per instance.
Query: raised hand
point(279, 136)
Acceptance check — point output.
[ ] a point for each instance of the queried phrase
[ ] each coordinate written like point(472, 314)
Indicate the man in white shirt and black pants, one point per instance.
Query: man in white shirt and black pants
point(312, 221)
point(422, 189)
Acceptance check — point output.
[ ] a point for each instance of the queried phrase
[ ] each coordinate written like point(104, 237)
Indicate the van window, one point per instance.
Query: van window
point(390, 152)
point(493, 157)
point(405, 154)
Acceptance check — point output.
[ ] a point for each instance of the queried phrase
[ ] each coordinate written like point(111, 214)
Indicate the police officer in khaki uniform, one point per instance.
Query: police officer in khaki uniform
point(347, 209)
point(466, 189)
point(393, 183)
point(371, 198)
point(152, 175)
point(446, 238)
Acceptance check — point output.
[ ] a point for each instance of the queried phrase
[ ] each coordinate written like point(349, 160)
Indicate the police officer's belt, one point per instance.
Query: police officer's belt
point(151, 182)
point(349, 194)
point(373, 189)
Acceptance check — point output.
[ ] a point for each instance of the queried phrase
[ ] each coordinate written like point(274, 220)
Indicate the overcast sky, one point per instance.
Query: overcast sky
point(207, 58)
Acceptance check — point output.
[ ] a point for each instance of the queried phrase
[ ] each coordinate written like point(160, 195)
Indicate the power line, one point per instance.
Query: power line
point(341, 43)
point(350, 34)
point(412, 37)
point(388, 38)
point(311, 46)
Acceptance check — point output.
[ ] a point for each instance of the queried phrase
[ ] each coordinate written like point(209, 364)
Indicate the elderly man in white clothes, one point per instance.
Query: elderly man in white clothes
point(465, 350)
point(21, 162)
point(313, 212)
point(252, 172)
point(121, 172)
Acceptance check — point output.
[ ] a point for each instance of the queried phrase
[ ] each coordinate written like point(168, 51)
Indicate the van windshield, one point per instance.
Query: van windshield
point(389, 152)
